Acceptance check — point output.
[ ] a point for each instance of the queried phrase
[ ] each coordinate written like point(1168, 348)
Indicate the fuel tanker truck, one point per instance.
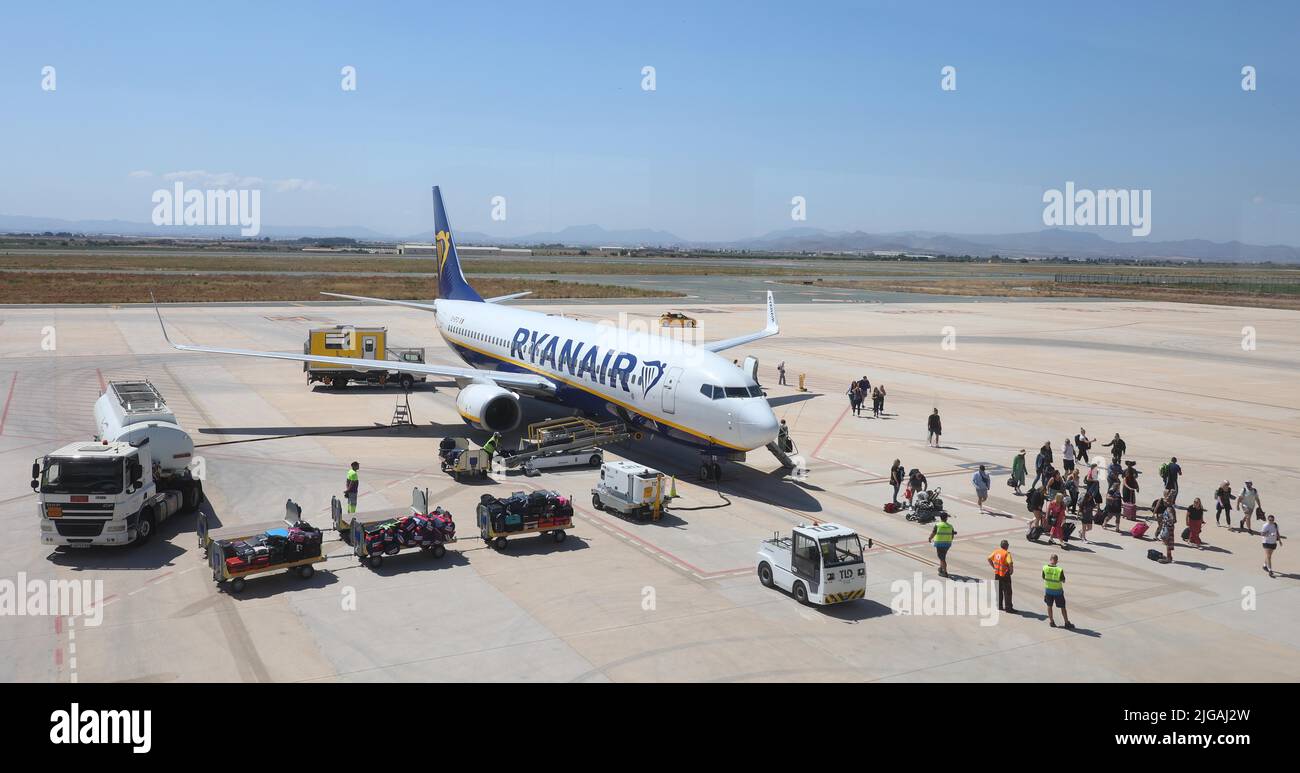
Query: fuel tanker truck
point(118, 488)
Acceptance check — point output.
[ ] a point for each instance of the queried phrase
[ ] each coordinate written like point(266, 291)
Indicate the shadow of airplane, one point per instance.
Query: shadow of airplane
point(797, 397)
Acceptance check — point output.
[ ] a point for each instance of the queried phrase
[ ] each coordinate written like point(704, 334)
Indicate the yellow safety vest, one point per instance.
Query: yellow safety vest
point(943, 533)
point(1052, 577)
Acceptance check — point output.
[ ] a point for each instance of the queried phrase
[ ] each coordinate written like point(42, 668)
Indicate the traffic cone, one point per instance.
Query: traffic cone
point(672, 491)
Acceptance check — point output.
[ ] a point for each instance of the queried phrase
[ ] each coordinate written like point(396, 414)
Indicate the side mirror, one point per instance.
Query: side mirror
point(36, 471)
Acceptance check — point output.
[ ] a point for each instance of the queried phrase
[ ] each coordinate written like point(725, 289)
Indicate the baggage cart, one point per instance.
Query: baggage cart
point(354, 530)
point(527, 524)
point(234, 580)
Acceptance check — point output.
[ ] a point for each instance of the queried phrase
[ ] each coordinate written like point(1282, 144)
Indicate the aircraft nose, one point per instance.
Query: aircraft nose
point(758, 424)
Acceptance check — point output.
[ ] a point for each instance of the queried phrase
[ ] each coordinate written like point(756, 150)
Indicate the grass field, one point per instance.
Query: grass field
point(1286, 297)
point(94, 287)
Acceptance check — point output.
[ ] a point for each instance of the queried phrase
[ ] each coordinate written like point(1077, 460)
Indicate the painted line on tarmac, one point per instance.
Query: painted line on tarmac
point(4, 414)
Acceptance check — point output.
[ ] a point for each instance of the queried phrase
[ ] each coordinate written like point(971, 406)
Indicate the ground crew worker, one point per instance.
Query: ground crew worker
point(491, 445)
point(783, 437)
point(351, 487)
point(941, 537)
point(780, 369)
point(1054, 591)
point(1003, 566)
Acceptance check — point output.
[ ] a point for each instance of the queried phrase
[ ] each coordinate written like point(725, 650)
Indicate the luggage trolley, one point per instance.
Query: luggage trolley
point(214, 549)
point(355, 530)
point(494, 527)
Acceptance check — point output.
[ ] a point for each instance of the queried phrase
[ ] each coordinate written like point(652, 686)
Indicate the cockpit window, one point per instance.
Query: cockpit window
point(718, 393)
point(737, 392)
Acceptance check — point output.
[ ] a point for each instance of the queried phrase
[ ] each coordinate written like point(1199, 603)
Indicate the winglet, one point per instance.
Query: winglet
point(161, 324)
point(772, 327)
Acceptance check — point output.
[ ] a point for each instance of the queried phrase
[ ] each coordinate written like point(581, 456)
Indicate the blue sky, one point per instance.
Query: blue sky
point(754, 103)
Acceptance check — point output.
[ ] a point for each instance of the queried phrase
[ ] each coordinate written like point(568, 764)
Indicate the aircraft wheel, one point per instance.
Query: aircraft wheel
point(705, 471)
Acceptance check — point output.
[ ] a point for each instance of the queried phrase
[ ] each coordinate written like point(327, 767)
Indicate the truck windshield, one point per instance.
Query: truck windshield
point(838, 551)
point(82, 476)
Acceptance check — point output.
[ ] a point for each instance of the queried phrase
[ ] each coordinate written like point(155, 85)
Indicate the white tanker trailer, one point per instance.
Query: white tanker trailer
point(119, 488)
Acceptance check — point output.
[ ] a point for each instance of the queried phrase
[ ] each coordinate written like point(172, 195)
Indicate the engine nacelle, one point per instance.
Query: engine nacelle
point(489, 407)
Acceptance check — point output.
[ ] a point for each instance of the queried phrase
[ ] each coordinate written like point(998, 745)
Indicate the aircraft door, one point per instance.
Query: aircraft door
point(670, 389)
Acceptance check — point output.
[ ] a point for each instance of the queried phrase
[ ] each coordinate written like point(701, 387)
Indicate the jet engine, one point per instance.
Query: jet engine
point(489, 407)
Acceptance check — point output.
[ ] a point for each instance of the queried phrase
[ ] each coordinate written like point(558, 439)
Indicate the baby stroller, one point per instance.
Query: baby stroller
point(926, 505)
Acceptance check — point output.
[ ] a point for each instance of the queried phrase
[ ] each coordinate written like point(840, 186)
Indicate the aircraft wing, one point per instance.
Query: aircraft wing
point(526, 382)
point(771, 329)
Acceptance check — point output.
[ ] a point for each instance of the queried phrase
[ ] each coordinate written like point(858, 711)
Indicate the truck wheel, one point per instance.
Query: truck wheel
point(800, 593)
point(237, 585)
point(765, 575)
point(306, 571)
point(406, 381)
point(499, 543)
point(376, 561)
point(144, 527)
point(439, 551)
point(594, 461)
point(559, 535)
point(595, 502)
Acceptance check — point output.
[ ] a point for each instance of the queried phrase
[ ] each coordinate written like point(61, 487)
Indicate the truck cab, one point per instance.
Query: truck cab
point(818, 564)
point(100, 493)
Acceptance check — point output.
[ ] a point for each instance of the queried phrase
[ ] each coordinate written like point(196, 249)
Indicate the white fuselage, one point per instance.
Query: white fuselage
point(666, 386)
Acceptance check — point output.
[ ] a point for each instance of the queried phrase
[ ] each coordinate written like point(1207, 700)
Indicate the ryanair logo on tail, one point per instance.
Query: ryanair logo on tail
point(444, 248)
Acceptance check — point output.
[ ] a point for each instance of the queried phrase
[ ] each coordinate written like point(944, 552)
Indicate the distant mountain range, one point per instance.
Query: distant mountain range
point(1051, 242)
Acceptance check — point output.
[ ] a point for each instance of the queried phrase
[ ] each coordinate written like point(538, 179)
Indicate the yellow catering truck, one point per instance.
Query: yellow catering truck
point(363, 343)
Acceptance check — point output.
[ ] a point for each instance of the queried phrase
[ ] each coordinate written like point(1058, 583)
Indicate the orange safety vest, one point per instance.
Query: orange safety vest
point(1001, 561)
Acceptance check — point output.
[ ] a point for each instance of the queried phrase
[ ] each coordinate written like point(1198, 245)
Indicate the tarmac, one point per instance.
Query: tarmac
point(678, 599)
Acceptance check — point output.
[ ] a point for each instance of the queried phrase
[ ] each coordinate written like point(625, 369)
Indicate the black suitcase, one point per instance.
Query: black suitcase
point(1187, 532)
point(1034, 533)
point(1155, 555)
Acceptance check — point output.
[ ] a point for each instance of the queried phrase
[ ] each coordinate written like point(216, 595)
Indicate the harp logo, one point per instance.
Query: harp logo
point(651, 372)
point(444, 248)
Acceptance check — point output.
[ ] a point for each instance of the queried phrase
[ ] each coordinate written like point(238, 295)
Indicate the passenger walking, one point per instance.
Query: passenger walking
point(1113, 507)
point(1018, 472)
point(1117, 448)
point(1087, 506)
point(981, 481)
point(1042, 462)
point(1168, 523)
point(1067, 455)
point(780, 373)
point(877, 402)
point(352, 486)
point(1129, 483)
point(1072, 490)
point(1195, 520)
point(1169, 473)
point(1248, 502)
point(1271, 538)
point(882, 399)
point(896, 478)
point(1092, 482)
point(935, 427)
point(1034, 501)
point(1003, 566)
point(1223, 497)
point(941, 537)
point(855, 398)
point(1054, 591)
point(1056, 517)
point(1082, 443)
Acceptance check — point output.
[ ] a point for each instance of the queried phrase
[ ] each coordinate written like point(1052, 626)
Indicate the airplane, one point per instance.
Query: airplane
point(657, 384)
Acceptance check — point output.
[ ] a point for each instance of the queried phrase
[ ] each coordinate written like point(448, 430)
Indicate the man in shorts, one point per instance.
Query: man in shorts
point(1054, 591)
point(941, 537)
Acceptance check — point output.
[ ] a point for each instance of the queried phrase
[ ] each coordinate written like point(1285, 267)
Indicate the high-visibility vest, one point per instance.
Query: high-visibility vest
point(1001, 562)
point(1052, 577)
point(943, 532)
point(353, 481)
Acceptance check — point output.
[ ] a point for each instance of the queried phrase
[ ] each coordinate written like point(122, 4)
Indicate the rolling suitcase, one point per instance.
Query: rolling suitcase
point(1130, 510)
point(1034, 533)
point(1139, 529)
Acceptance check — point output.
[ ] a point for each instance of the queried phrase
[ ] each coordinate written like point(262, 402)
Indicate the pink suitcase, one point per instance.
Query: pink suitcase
point(1130, 511)
point(1138, 529)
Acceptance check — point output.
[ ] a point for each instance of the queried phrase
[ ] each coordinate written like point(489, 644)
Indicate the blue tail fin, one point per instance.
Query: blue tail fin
point(451, 282)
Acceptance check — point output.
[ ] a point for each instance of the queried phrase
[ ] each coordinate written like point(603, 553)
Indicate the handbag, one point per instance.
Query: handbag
point(1259, 513)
